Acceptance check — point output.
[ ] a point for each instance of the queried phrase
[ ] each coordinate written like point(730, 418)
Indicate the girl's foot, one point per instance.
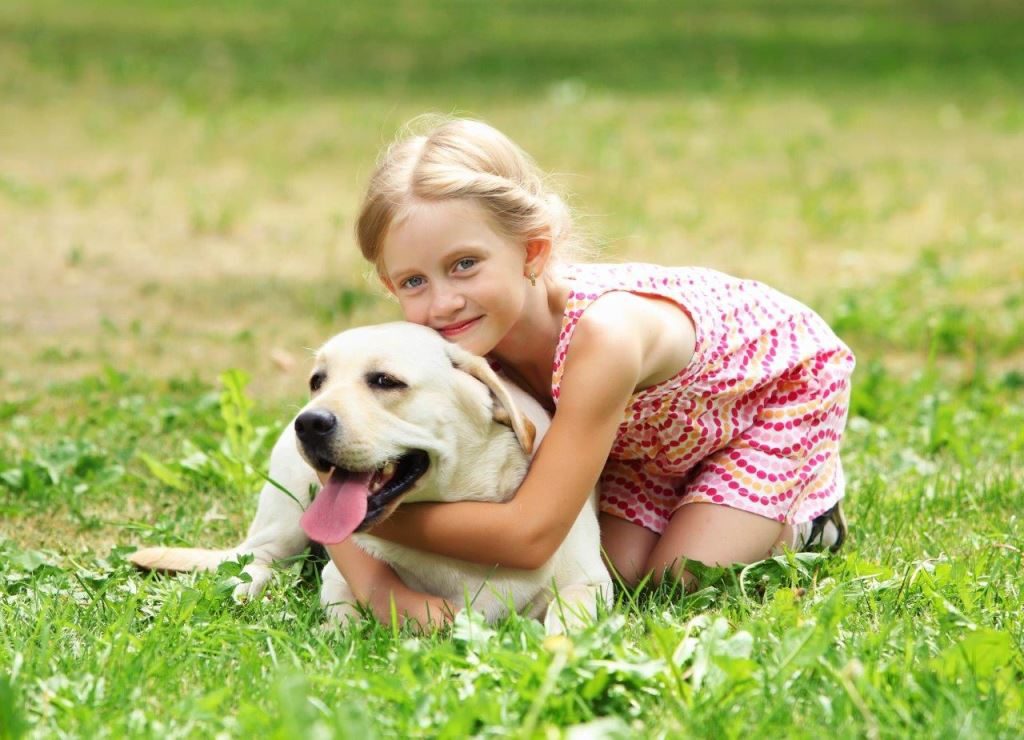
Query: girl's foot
point(825, 532)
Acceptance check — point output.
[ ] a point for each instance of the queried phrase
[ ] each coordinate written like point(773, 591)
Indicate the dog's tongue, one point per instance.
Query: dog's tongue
point(338, 509)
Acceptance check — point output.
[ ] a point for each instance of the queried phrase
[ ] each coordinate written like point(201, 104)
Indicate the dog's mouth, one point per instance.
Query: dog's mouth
point(353, 501)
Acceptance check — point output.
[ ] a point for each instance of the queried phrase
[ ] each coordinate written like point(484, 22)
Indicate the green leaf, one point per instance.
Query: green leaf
point(801, 647)
point(29, 560)
point(163, 473)
point(713, 655)
point(984, 653)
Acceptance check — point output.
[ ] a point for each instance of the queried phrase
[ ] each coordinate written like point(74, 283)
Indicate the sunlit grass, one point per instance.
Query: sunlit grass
point(912, 629)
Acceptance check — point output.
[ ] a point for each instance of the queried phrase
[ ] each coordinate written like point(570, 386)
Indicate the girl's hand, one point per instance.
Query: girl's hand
point(375, 584)
point(406, 606)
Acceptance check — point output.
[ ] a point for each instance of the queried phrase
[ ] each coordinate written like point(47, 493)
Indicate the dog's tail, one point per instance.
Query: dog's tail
point(179, 559)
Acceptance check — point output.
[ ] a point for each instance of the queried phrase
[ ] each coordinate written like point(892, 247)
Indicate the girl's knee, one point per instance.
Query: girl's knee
point(626, 547)
point(628, 572)
point(713, 535)
point(674, 572)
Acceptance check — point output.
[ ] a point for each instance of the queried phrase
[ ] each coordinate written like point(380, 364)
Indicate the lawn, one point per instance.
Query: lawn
point(178, 182)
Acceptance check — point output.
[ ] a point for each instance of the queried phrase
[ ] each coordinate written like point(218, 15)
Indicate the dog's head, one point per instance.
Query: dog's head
point(394, 412)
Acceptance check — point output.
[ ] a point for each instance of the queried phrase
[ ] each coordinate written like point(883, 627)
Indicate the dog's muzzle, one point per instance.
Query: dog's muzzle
point(315, 428)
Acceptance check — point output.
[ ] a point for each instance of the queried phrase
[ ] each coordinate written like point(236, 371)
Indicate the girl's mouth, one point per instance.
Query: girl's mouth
point(453, 330)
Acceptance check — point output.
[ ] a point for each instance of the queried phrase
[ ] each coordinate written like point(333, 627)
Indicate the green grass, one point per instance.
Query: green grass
point(229, 48)
point(913, 629)
point(177, 186)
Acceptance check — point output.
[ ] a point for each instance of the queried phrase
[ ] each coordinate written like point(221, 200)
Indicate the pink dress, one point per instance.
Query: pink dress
point(753, 422)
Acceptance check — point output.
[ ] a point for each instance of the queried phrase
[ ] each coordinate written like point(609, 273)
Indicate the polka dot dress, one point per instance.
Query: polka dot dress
point(754, 421)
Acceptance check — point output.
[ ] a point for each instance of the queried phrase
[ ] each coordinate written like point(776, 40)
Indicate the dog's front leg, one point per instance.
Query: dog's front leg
point(575, 606)
point(336, 597)
point(275, 533)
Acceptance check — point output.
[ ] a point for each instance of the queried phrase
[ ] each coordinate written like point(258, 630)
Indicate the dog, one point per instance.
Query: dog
point(398, 414)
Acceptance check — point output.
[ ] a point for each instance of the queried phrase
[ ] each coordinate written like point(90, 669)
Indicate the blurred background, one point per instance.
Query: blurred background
point(178, 179)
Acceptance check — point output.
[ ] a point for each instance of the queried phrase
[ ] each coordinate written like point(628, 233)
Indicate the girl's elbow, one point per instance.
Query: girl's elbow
point(527, 560)
point(537, 551)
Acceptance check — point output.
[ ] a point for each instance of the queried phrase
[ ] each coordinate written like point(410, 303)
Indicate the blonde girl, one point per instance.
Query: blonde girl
point(709, 409)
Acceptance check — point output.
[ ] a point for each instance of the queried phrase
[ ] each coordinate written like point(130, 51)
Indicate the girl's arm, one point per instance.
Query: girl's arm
point(604, 365)
point(376, 585)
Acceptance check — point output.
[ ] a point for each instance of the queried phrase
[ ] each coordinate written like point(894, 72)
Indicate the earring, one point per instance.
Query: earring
point(533, 278)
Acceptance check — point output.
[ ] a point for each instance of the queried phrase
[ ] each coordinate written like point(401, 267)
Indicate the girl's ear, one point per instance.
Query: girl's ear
point(538, 253)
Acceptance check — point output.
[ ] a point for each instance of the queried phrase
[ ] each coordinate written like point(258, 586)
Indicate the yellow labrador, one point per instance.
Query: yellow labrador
point(399, 414)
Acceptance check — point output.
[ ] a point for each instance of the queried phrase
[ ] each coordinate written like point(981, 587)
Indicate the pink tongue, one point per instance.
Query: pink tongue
point(338, 509)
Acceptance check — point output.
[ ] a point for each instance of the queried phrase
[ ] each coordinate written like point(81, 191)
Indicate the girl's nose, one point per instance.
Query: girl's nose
point(447, 302)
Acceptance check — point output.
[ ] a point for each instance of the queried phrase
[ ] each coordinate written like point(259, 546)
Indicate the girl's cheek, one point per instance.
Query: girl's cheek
point(413, 311)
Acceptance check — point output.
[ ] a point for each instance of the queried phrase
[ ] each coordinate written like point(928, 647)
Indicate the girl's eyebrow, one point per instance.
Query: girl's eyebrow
point(401, 273)
point(465, 247)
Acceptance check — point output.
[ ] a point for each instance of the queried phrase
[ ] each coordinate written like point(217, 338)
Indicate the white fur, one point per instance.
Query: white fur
point(449, 410)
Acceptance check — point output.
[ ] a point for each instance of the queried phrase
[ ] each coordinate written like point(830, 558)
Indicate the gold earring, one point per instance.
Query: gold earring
point(533, 278)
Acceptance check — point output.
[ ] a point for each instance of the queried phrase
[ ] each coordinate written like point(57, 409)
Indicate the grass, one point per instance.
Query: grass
point(226, 48)
point(912, 630)
point(177, 188)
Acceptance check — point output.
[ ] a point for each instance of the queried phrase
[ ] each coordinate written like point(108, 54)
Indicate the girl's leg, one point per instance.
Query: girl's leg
point(627, 547)
point(713, 535)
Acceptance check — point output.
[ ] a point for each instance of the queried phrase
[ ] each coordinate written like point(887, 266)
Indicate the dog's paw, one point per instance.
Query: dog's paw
point(563, 619)
point(339, 614)
point(249, 590)
point(337, 599)
point(575, 608)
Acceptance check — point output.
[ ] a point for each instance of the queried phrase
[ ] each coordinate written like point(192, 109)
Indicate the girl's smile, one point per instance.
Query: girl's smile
point(452, 271)
point(453, 330)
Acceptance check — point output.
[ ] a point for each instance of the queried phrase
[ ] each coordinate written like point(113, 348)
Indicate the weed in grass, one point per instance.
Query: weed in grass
point(230, 464)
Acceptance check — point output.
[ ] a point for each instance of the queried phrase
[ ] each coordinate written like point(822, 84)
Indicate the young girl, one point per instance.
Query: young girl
point(709, 409)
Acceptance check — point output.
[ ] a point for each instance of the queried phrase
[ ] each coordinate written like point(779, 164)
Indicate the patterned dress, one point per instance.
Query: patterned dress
point(753, 422)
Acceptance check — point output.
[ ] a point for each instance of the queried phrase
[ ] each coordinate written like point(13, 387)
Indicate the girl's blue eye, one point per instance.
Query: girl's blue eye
point(413, 282)
point(465, 263)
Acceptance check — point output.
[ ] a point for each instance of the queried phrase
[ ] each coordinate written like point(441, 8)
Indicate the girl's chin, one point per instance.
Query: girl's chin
point(474, 345)
point(476, 342)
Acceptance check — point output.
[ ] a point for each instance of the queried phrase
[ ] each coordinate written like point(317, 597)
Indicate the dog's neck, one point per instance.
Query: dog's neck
point(500, 464)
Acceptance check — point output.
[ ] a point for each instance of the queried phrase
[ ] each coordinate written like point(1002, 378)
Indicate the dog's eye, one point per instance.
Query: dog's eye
point(316, 381)
point(383, 381)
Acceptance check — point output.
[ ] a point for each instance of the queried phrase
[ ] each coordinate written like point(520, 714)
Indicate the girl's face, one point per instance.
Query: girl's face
point(451, 271)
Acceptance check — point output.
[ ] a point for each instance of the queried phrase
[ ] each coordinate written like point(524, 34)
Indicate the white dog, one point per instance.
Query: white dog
point(399, 414)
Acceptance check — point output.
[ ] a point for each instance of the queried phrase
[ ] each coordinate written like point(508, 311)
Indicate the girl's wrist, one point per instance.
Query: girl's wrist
point(402, 604)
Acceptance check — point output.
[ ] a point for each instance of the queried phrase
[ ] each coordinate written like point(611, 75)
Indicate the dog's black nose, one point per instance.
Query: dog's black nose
point(315, 424)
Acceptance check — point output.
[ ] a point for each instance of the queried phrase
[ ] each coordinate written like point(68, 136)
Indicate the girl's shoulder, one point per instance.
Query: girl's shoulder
point(691, 289)
point(604, 330)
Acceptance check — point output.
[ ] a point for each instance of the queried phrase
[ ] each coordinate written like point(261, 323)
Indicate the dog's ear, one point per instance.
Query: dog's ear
point(505, 410)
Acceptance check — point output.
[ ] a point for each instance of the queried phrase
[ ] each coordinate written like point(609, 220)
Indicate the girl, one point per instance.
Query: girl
point(708, 408)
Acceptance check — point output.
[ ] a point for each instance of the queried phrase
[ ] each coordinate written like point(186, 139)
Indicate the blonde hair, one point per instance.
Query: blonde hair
point(465, 159)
